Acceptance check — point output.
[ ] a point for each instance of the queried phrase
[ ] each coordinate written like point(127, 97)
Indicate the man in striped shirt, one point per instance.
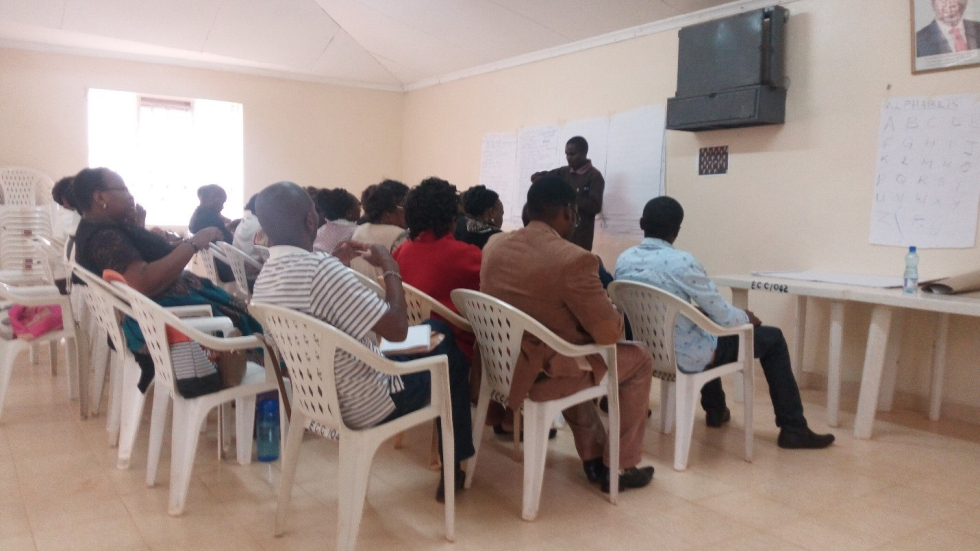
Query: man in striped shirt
point(321, 285)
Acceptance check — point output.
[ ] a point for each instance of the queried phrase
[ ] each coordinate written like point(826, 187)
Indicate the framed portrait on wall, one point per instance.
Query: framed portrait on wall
point(945, 34)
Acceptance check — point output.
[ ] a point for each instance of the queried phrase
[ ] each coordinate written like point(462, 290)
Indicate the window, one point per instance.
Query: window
point(166, 148)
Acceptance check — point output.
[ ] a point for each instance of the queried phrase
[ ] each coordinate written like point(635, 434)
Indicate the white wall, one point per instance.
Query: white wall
point(797, 195)
point(312, 134)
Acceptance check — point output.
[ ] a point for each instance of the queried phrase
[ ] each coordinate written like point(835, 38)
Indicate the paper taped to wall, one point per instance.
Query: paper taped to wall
point(927, 184)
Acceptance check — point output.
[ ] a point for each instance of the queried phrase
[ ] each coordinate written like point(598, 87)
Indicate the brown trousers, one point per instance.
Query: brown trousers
point(635, 368)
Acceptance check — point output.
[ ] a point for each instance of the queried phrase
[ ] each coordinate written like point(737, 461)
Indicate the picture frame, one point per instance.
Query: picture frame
point(945, 34)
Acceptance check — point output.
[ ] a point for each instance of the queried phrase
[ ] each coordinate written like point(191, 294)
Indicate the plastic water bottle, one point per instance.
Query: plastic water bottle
point(267, 431)
point(911, 285)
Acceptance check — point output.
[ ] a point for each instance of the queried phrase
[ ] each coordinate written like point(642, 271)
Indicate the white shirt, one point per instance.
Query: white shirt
point(244, 239)
point(948, 33)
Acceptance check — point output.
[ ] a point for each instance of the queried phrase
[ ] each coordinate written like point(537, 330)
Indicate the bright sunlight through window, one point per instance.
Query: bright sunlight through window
point(167, 148)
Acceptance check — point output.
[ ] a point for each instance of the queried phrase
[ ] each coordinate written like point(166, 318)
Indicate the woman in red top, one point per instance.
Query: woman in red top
point(432, 260)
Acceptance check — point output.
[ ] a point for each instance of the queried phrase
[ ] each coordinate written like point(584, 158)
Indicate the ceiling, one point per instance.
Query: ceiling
point(387, 44)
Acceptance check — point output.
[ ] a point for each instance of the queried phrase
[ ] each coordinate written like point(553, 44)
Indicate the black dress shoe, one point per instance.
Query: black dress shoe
point(715, 418)
point(594, 470)
point(500, 431)
point(802, 438)
point(634, 477)
point(460, 481)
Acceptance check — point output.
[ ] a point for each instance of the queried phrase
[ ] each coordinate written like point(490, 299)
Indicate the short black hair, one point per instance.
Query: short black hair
point(61, 192)
point(210, 190)
point(431, 205)
point(547, 195)
point(334, 204)
point(579, 142)
point(381, 198)
point(85, 184)
point(250, 206)
point(662, 217)
point(479, 199)
point(282, 209)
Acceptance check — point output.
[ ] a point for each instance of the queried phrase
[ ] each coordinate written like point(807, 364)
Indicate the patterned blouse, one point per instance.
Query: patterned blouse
point(656, 262)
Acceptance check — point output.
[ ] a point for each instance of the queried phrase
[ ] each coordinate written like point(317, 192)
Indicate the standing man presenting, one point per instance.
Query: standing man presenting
point(588, 184)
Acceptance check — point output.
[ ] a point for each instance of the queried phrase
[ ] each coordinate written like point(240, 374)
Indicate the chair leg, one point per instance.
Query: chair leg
point(434, 462)
point(244, 422)
point(99, 360)
point(113, 421)
point(537, 421)
point(290, 458)
point(7, 355)
point(517, 435)
point(686, 400)
point(188, 416)
point(479, 419)
point(53, 356)
point(668, 395)
point(748, 398)
point(158, 424)
point(130, 412)
point(356, 456)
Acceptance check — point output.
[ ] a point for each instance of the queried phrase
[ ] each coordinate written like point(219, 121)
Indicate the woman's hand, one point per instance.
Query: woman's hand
point(203, 238)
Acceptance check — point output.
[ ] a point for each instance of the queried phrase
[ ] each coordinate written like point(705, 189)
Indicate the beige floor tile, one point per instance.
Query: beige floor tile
point(752, 509)
point(17, 543)
point(115, 533)
point(754, 542)
point(818, 536)
point(935, 538)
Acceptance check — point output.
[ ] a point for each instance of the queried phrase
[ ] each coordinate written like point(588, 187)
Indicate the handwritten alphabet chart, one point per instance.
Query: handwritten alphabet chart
point(927, 183)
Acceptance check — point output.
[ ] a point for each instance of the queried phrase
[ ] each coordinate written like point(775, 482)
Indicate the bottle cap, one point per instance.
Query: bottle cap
point(912, 249)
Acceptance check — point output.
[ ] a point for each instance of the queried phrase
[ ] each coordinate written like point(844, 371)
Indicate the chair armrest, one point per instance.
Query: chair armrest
point(390, 367)
point(211, 325)
point(727, 331)
point(192, 311)
point(34, 295)
point(453, 318)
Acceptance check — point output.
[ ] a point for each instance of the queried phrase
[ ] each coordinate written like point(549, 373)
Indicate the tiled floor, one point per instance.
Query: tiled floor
point(905, 489)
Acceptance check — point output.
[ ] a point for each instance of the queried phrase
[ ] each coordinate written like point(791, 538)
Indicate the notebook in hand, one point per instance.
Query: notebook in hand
point(417, 342)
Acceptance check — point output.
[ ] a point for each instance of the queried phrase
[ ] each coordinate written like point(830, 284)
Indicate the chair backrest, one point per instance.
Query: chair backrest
point(238, 259)
point(52, 255)
point(104, 302)
point(24, 186)
point(263, 251)
point(206, 257)
point(499, 330)
point(153, 320)
point(308, 346)
point(421, 306)
point(652, 313)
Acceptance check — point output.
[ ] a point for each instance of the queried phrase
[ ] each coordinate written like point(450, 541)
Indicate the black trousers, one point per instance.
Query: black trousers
point(418, 386)
point(773, 354)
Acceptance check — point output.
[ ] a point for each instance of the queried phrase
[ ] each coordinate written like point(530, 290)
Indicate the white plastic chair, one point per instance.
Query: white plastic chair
point(126, 401)
point(10, 349)
point(238, 259)
point(24, 186)
point(499, 330)
point(189, 413)
point(370, 284)
point(652, 313)
point(420, 308)
point(308, 346)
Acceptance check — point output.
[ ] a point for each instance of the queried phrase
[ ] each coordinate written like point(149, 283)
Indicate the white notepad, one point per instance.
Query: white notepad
point(417, 341)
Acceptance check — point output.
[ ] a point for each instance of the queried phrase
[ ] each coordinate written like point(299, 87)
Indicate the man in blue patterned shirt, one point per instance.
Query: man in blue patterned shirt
point(656, 262)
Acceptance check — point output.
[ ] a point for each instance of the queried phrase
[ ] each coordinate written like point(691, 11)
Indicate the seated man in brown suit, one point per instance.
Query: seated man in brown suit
point(557, 283)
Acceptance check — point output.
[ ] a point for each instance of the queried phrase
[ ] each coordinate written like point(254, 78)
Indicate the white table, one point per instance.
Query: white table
point(880, 361)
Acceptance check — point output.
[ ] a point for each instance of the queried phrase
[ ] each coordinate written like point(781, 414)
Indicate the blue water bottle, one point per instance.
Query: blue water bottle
point(267, 431)
point(911, 280)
